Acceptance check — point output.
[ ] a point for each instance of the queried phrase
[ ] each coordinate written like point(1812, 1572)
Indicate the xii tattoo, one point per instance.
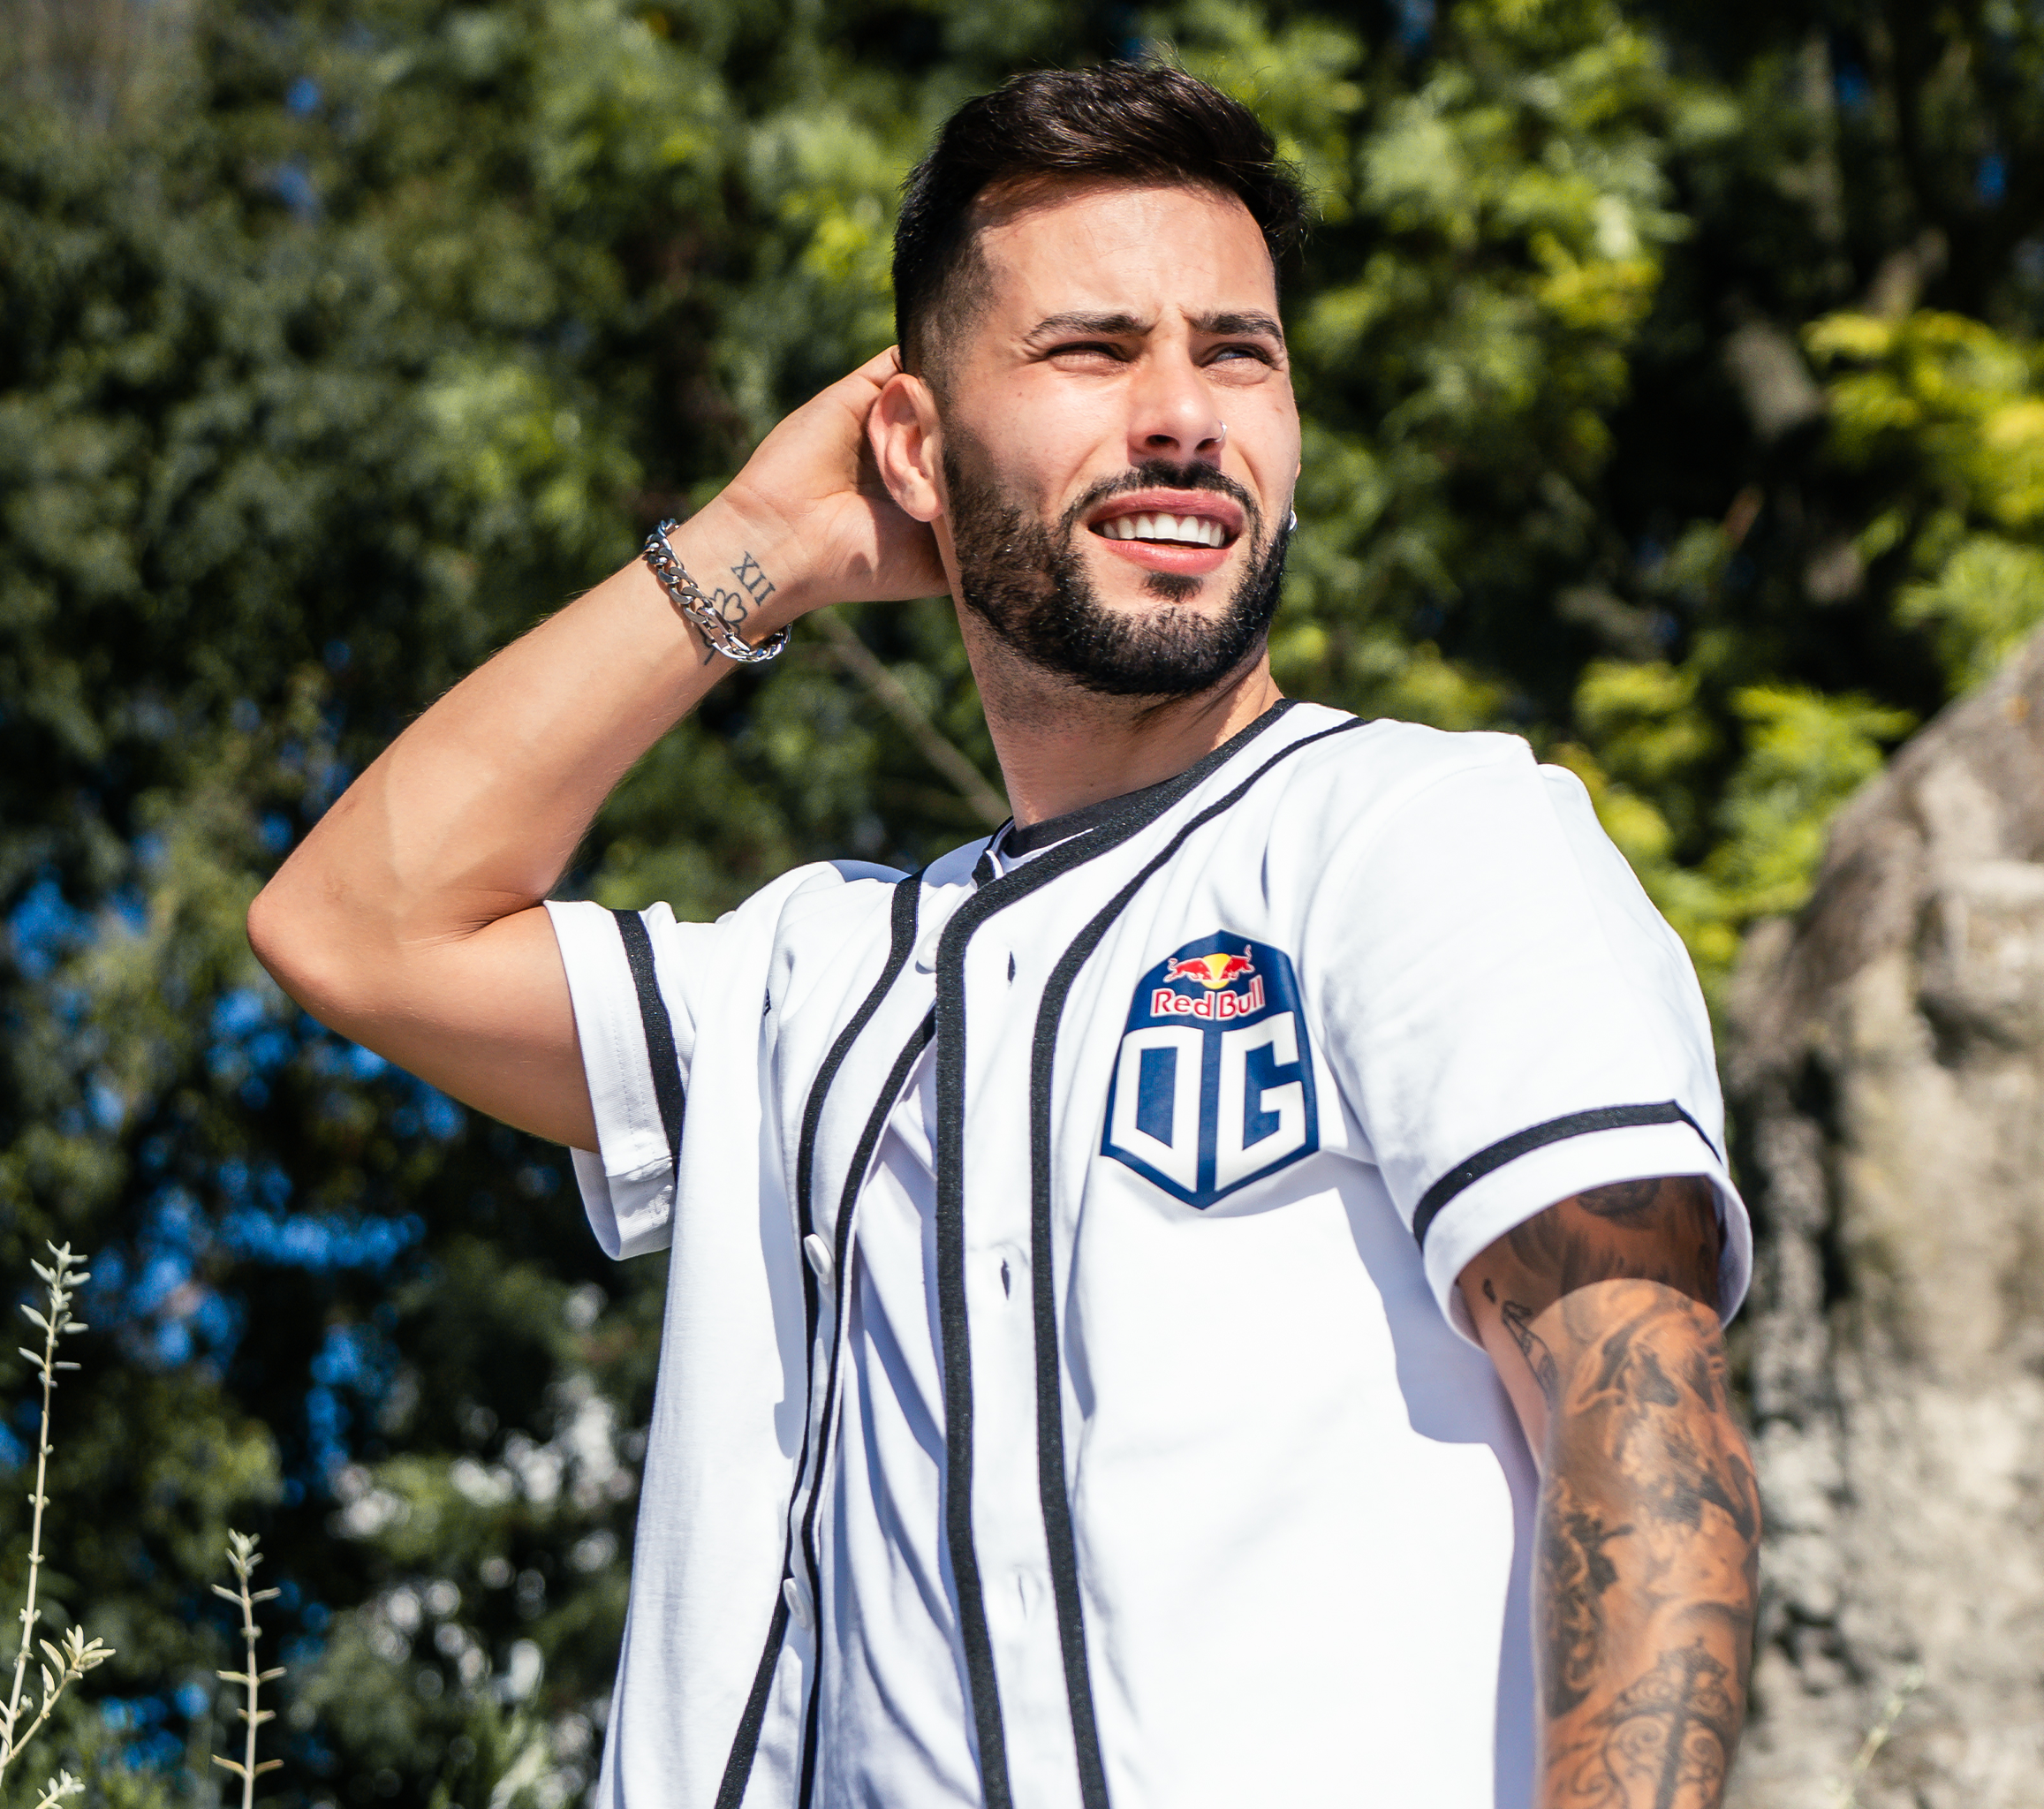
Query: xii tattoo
point(749, 573)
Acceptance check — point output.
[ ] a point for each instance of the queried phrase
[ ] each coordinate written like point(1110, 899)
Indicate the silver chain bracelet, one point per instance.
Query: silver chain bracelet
point(692, 606)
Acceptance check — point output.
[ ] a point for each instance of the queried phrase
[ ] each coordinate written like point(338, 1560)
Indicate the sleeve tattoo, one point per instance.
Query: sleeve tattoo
point(1649, 1517)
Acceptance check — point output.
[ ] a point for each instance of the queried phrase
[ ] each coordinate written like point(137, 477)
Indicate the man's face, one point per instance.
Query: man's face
point(1120, 440)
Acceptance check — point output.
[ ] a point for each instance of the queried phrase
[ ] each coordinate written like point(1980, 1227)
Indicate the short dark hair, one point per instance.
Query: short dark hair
point(1144, 122)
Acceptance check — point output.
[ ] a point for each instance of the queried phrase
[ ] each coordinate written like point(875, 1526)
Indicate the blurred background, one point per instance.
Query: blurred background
point(1672, 398)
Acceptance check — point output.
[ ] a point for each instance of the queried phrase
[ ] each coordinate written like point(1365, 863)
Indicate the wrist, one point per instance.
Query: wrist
point(747, 563)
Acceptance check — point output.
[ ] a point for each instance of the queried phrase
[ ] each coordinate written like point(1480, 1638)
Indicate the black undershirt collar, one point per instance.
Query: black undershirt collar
point(1015, 842)
point(1038, 837)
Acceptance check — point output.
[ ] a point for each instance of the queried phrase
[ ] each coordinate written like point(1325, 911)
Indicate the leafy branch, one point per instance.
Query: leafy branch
point(63, 1665)
point(244, 1555)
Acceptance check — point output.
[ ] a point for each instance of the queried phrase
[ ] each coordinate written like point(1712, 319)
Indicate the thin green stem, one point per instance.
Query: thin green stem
point(30, 1613)
point(78, 1655)
point(244, 1555)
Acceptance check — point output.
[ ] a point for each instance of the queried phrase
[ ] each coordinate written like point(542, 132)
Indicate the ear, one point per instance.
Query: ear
point(908, 445)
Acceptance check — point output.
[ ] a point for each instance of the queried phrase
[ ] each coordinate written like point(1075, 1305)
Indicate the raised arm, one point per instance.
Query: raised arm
point(1602, 1316)
point(409, 918)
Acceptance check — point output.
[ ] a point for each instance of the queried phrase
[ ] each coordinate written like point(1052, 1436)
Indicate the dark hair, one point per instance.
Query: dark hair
point(1126, 122)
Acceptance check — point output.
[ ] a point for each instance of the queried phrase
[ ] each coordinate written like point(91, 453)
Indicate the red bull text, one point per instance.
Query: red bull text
point(1219, 998)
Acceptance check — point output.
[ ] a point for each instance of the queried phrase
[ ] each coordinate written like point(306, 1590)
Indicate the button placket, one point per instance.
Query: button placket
point(833, 1283)
point(822, 1263)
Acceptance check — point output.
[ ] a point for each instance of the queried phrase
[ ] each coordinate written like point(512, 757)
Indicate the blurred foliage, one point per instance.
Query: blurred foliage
point(1671, 398)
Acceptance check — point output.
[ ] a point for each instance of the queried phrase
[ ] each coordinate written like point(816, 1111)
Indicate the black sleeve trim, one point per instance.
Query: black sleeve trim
point(660, 1049)
point(1555, 1130)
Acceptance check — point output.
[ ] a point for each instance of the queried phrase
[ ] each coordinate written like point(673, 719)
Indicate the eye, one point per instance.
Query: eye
point(1235, 354)
point(1089, 349)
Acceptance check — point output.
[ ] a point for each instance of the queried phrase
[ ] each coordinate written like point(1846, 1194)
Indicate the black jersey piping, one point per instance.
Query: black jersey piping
point(840, 1270)
point(1137, 812)
point(1534, 1137)
point(738, 1766)
point(901, 941)
point(900, 944)
point(659, 1050)
point(1037, 835)
point(1050, 1470)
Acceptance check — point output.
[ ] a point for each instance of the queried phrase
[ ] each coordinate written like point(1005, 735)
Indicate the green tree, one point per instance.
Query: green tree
point(1671, 400)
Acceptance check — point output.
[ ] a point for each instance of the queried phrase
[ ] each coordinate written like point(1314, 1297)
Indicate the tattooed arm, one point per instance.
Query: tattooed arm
point(1602, 1316)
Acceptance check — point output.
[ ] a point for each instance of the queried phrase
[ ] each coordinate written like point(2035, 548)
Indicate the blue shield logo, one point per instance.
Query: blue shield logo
point(1213, 1084)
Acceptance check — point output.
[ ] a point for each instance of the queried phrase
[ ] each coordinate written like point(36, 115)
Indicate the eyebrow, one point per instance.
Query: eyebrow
point(1249, 326)
point(1258, 326)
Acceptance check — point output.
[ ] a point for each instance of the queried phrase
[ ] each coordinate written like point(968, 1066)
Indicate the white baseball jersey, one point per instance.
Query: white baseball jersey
point(1064, 1397)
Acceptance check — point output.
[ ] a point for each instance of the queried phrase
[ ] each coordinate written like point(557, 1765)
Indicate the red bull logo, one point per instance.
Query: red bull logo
point(1221, 997)
point(1213, 972)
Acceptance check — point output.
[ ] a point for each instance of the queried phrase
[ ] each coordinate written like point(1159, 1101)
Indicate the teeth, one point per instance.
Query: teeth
point(1193, 530)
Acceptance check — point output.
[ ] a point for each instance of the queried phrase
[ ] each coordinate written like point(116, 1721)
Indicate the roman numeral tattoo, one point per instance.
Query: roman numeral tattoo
point(752, 575)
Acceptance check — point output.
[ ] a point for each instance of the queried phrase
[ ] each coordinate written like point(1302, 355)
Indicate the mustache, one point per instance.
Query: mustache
point(1164, 474)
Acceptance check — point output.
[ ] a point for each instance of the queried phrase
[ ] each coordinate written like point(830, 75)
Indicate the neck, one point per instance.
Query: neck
point(1062, 748)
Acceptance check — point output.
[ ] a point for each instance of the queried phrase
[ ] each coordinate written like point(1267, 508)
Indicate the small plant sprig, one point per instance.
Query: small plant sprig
point(63, 1665)
point(245, 1555)
point(1848, 1786)
point(63, 1784)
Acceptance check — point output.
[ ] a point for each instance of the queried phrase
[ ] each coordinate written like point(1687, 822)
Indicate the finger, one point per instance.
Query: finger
point(877, 369)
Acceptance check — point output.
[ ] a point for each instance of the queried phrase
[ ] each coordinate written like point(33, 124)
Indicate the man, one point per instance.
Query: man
point(1074, 1386)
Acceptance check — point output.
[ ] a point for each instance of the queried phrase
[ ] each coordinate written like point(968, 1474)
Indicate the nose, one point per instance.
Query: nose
point(1173, 412)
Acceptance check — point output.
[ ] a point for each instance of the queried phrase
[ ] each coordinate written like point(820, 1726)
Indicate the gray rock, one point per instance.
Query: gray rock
point(1885, 1069)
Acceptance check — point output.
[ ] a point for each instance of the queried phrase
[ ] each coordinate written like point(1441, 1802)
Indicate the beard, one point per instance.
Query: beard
point(1028, 582)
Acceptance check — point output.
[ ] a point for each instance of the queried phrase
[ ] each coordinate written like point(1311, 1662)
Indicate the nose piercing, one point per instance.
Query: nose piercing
point(1223, 433)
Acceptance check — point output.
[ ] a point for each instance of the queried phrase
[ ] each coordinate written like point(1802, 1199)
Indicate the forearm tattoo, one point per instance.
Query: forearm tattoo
point(1575, 1575)
point(1649, 1523)
point(1648, 1532)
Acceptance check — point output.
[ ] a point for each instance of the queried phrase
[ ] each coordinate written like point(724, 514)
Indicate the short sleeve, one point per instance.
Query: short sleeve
point(627, 974)
point(1508, 1018)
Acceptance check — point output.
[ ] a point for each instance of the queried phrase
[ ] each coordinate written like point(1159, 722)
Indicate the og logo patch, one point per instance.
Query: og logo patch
point(1212, 1086)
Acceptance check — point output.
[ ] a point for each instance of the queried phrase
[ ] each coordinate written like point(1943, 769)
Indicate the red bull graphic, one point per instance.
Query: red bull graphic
point(1213, 972)
point(1230, 988)
point(1213, 1087)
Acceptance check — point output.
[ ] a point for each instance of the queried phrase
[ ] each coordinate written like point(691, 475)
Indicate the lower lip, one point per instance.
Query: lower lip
point(1157, 555)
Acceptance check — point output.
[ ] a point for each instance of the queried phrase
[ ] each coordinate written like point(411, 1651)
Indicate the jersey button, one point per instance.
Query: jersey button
point(818, 1251)
point(798, 1600)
